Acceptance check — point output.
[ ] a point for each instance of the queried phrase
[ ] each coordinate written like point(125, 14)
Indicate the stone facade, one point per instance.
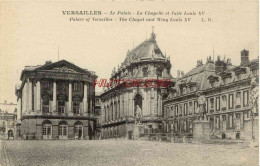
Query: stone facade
point(227, 92)
point(56, 101)
point(119, 103)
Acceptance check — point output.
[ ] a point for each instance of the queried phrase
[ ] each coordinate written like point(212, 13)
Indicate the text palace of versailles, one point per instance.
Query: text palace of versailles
point(57, 100)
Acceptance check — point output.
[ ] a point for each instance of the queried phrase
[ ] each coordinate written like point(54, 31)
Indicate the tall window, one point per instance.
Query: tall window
point(211, 104)
point(217, 103)
point(159, 72)
point(224, 102)
point(46, 85)
point(176, 126)
point(61, 86)
point(76, 86)
point(245, 98)
point(76, 107)
point(230, 120)
point(172, 112)
point(217, 122)
point(190, 108)
point(63, 130)
point(230, 101)
point(61, 106)
point(145, 71)
point(176, 110)
point(46, 130)
point(238, 99)
point(185, 125)
point(185, 108)
point(45, 104)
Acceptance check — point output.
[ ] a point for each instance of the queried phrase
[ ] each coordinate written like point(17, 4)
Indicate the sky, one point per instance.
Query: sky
point(32, 32)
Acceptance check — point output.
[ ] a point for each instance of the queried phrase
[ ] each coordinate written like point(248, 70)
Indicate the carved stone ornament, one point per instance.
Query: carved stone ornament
point(64, 69)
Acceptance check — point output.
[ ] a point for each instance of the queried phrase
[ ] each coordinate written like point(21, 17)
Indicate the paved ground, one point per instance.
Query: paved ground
point(124, 152)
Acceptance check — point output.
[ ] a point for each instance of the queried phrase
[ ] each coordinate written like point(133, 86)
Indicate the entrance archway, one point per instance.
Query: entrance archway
point(138, 101)
point(10, 134)
point(78, 130)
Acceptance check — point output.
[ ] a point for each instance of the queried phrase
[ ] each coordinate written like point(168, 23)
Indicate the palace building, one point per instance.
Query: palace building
point(56, 101)
point(227, 92)
point(120, 103)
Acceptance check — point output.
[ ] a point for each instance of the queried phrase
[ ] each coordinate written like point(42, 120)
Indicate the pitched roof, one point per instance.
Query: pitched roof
point(198, 76)
point(146, 50)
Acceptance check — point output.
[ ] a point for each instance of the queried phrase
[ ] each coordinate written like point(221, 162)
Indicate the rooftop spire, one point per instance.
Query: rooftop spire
point(153, 34)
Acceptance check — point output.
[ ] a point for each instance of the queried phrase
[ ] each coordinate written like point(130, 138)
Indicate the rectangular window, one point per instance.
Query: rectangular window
point(195, 105)
point(230, 101)
point(231, 120)
point(176, 110)
point(217, 103)
point(45, 108)
point(185, 109)
point(61, 109)
point(217, 122)
point(245, 98)
point(44, 131)
point(76, 86)
point(190, 108)
point(238, 100)
point(212, 103)
point(224, 103)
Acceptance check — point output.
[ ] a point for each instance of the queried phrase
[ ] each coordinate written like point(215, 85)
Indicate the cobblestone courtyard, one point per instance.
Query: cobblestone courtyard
point(124, 152)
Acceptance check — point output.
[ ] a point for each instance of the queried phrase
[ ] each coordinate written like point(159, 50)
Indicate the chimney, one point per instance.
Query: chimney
point(199, 63)
point(48, 62)
point(220, 65)
point(244, 57)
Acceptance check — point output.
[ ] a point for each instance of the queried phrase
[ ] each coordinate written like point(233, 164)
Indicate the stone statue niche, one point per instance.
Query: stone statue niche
point(138, 115)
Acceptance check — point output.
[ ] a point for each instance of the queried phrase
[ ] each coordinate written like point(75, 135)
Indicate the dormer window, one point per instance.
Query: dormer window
point(238, 76)
point(184, 90)
point(255, 72)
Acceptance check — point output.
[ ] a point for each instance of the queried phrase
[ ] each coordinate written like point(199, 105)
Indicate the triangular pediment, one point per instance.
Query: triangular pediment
point(62, 66)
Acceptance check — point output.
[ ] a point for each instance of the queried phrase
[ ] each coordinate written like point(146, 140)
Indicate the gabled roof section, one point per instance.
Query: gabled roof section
point(60, 66)
point(64, 66)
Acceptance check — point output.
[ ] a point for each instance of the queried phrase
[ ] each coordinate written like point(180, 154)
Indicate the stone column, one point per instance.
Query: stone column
point(70, 111)
point(29, 95)
point(221, 122)
point(38, 95)
point(144, 104)
point(24, 99)
point(34, 96)
point(54, 109)
point(214, 124)
point(19, 109)
point(113, 109)
point(85, 99)
point(133, 104)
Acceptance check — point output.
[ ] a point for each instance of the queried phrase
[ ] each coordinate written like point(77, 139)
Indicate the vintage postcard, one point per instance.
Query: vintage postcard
point(129, 83)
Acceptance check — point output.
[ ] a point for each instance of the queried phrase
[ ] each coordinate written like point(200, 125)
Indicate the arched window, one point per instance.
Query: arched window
point(145, 72)
point(78, 130)
point(45, 104)
point(47, 129)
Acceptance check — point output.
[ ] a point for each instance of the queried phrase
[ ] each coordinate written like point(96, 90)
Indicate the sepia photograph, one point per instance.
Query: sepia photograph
point(129, 83)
